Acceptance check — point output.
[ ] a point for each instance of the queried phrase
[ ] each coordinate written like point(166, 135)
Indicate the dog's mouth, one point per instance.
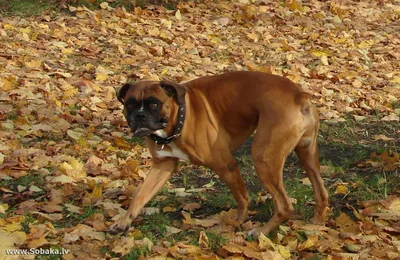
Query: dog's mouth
point(142, 131)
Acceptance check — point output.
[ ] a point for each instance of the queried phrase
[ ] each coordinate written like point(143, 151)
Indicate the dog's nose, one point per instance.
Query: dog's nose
point(140, 116)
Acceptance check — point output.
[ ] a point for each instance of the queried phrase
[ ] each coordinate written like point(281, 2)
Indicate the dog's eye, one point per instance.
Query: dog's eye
point(129, 106)
point(154, 105)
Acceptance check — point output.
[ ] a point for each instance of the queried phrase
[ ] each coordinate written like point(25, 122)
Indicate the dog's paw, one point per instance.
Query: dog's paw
point(241, 216)
point(119, 227)
point(116, 229)
point(254, 233)
point(317, 220)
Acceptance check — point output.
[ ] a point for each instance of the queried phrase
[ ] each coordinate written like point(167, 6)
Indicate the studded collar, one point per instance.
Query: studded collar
point(178, 128)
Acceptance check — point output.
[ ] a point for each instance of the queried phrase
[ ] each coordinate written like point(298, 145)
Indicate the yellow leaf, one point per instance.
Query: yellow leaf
point(265, 243)
point(164, 72)
point(76, 164)
point(382, 137)
point(317, 53)
point(121, 143)
point(37, 242)
point(178, 15)
point(10, 240)
point(324, 60)
point(67, 50)
point(14, 226)
point(341, 189)
point(154, 32)
point(8, 83)
point(82, 142)
point(284, 251)
point(70, 92)
point(3, 208)
point(365, 44)
point(104, 5)
point(203, 239)
point(294, 5)
point(101, 77)
point(88, 66)
point(34, 64)
point(309, 243)
point(131, 168)
point(169, 209)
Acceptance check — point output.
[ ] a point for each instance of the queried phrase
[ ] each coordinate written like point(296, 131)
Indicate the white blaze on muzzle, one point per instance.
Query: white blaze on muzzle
point(142, 107)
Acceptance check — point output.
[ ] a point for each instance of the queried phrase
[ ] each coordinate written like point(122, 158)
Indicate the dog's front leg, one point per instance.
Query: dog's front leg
point(159, 174)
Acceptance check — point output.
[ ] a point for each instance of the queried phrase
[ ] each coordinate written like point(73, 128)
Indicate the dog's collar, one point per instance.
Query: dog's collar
point(178, 128)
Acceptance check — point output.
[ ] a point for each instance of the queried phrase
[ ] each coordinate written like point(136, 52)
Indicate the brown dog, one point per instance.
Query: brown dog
point(205, 120)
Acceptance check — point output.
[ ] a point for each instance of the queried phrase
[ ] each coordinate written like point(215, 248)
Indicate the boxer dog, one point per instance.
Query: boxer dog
point(206, 120)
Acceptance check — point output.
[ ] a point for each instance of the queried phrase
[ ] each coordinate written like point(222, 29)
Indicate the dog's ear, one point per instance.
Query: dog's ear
point(122, 92)
point(175, 90)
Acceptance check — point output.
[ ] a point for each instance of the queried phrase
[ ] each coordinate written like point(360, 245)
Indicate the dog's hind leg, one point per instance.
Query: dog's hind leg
point(269, 152)
point(307, 151)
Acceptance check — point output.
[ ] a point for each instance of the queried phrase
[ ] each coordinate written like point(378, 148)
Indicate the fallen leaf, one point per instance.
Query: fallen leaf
point(341, 189)
point(383, 137)
point(203, 240)
point(172, 230)
point(178, 15)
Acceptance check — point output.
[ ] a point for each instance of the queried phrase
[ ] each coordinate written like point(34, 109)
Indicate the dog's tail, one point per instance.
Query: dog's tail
point(303, 99)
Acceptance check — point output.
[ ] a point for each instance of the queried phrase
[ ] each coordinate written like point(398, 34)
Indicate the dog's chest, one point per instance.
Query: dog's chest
point(171, 150)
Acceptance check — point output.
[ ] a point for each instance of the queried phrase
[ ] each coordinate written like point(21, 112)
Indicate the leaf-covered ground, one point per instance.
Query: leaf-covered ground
point(68, 164)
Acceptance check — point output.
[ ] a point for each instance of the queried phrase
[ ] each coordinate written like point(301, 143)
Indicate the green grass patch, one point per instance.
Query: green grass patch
point(27, 181)
point(26, 8)
point(304, 196)
point(153, 226)
point(136, 253)
point(218, 200)
point(215, 240)
point(28, 219)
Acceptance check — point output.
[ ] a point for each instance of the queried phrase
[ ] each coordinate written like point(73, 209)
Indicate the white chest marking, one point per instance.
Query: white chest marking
point(174, 152)
point(160, 133)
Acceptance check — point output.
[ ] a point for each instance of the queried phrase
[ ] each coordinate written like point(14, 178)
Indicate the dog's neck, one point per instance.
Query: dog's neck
point(165, 137)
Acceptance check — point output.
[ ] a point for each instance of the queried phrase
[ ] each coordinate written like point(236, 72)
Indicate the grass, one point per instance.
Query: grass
point(26, 180)
point(153, 226)
point(222, 199)
point(136, 253)
point(25, 224)
point(27, 8)
point(215, 240)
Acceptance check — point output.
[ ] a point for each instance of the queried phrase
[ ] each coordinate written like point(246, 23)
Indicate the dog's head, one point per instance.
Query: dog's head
point(148, 105)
